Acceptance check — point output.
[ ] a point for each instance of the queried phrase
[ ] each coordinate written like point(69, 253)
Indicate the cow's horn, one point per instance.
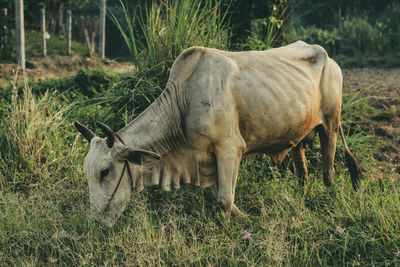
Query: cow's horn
point(88, 134)
point(109, 133)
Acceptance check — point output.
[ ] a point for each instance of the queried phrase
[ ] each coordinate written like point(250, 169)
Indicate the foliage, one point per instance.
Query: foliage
point(350, 28)
point(110, 98)
point(359, 36)
point(313, 35)
point(244, 14)
point(266, 32)
point(138, 90)
point(86, 83)
point(389, 27)
point(167, 29)
point(327, 14)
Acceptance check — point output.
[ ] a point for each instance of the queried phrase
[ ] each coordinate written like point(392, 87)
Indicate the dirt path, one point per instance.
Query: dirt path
point(383, 86)
point(59, 65)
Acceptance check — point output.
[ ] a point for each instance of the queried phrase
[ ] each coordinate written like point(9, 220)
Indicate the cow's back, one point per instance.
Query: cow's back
point(277, 92)
point(274, 97)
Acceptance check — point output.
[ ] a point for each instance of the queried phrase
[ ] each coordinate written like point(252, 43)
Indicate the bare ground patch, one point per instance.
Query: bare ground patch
point(382, 86)
point(56, 66)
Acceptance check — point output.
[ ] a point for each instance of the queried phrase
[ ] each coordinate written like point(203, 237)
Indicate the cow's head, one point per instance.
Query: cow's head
point(111, 170)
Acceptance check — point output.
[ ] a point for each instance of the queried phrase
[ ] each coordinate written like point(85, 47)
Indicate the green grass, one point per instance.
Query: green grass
point(44, 209)
point(329, 227)
point(55, 45)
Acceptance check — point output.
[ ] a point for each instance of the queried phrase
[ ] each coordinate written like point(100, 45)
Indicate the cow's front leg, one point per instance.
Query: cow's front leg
point(235, 210)
point(228, 160)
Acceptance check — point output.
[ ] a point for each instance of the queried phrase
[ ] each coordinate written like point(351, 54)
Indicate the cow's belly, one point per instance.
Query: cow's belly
point(277, 107)
point(273, 129)
point(277, 115)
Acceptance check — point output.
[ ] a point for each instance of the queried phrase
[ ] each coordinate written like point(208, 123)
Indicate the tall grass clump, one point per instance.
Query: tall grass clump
point(36, 144)
point(166, 28)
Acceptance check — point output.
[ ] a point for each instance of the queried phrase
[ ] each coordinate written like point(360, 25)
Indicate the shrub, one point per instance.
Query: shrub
point(359, 36)
point(389, 26)
point(314, 35)
point(89, 83)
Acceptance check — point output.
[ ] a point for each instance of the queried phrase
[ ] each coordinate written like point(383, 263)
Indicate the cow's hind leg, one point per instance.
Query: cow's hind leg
point(228, 160)
point(328, 136)
point(300, 160)
point(300, 165)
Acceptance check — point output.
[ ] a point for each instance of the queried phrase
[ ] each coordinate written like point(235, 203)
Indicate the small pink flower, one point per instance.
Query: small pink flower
point(246, 235)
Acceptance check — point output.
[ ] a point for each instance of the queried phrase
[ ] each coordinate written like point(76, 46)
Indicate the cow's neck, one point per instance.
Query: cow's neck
point(159, 128)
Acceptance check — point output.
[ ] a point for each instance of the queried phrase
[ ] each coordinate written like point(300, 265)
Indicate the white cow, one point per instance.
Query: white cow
point(217, 108)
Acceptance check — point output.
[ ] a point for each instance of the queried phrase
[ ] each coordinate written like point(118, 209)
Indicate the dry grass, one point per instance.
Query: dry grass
point(34, 131)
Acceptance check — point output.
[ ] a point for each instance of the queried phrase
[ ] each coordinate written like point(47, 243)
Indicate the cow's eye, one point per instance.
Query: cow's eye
point(103, 174)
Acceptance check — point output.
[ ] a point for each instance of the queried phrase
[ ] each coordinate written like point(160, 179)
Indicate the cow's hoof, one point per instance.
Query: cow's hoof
point(238, 213)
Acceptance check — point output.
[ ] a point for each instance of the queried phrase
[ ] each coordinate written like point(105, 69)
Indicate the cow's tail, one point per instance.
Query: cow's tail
point(351, 162)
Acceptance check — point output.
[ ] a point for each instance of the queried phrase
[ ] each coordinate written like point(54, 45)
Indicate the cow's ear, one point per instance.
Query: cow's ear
point(140, 156)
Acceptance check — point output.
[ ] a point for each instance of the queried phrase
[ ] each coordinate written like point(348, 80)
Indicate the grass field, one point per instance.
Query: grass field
point(44, 209)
